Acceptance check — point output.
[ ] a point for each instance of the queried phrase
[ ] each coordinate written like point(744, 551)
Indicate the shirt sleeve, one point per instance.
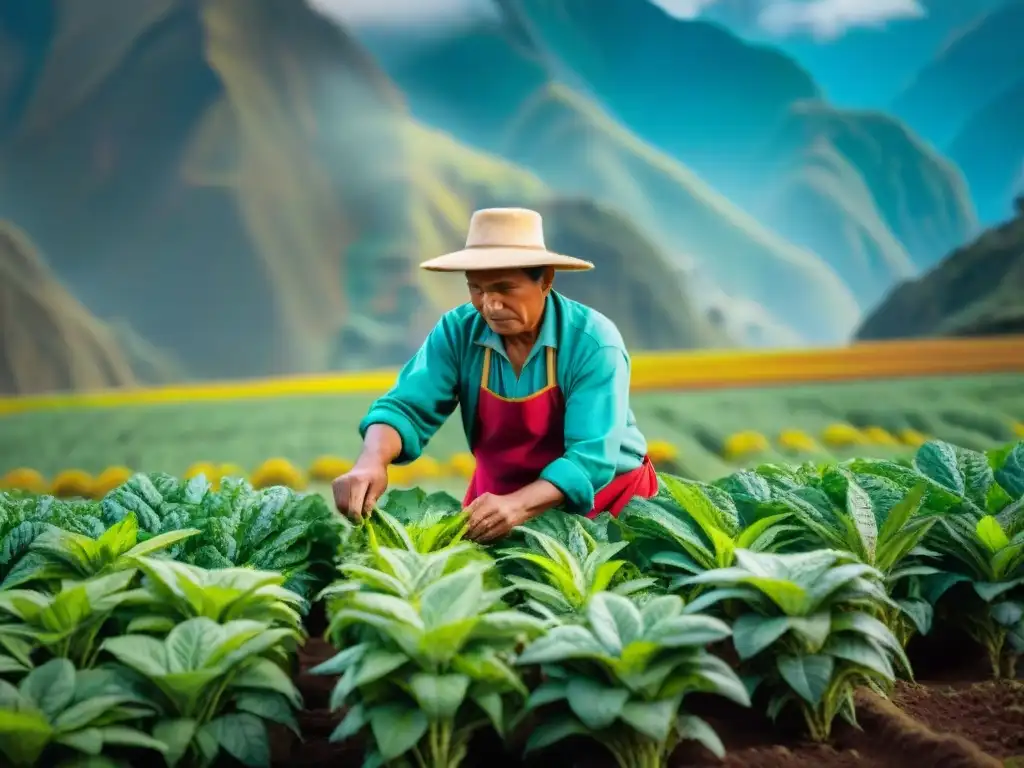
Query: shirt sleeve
point(595, 414)
point(424, 395)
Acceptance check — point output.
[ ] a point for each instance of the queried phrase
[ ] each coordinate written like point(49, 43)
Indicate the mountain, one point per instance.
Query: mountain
point(861, 189)
point(690, 88)
point(981, 62)
point(990, 150)
point(653, 302)
point(54, 343)
point(470, 80)
point(578, 150)
point(978, 290)
point(243, 189)
point(488, 85)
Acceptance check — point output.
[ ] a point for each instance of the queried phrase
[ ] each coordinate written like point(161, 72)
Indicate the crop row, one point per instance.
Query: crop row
point(740, 446)
point(166, 616)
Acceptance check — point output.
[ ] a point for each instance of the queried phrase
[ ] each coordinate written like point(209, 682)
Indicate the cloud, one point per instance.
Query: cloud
point(823, 19)
point(829, 19)
point(402, 13)
point(684, 9)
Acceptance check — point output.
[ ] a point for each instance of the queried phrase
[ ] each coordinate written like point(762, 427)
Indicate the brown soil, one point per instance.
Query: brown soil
point(951, 721)
point(990, 714)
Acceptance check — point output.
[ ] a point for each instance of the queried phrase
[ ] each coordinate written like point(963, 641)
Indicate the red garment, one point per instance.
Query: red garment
point(515, 438)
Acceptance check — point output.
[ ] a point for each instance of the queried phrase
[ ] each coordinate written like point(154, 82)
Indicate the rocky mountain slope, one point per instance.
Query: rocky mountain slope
point(240, 183)
point(858, 193)
point(977, 291)
point(862, 190)
point(50, 342)
point(690, 88)
point(577, 149)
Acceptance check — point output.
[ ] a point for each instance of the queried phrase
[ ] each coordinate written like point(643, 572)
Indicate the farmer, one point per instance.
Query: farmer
point(543, 382)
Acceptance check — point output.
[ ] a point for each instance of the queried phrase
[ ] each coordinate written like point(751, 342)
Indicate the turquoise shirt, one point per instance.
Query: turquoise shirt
point(601, 436)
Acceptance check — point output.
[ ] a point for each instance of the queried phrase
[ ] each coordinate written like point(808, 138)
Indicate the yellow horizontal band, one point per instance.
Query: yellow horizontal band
point(702, 369)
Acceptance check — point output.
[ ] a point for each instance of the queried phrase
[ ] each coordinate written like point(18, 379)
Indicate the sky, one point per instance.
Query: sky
point(821, 19)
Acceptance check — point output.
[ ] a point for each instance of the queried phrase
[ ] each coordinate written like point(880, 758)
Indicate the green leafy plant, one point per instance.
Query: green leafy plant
point(68, 624)
point(268, 529)
point(214, 688)
point(428, 672)
point(410, 519)
point(806, 630)
point(881, 525)
point(561, 578)
point(24, 518)
point(175, 591)
point(16, 647)
point(57, 712)
point(989, 555)
point(401, 572)
point(58, 555)
point(694, 527)
point(621, 679)
point(428, 535)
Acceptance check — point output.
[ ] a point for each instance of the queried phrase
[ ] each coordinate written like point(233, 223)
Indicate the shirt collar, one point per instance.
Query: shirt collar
point(547, 337)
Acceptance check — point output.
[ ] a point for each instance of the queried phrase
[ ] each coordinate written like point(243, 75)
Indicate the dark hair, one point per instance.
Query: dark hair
point(535, 273)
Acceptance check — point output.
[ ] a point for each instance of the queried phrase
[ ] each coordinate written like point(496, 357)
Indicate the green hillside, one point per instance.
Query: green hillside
point(977, 291)
point(972, 411)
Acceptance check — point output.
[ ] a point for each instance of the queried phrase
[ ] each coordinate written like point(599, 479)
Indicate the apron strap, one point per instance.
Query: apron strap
point(485, 374)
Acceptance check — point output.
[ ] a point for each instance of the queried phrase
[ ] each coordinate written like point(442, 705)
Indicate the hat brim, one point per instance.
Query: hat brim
point(478, 259)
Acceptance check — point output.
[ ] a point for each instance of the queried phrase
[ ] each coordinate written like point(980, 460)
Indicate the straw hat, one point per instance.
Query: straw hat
point(504, 238)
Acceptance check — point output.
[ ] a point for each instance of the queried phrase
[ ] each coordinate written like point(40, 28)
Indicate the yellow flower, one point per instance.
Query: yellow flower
point(1018, 428)
point(842, 435)
point(399, 475)
point(326, 468)
point(278, 472)
point(743, 444)
point(425, 468)
point(661, 450)
point(23, 479)
point(109, 479)
point(879, 436)
point(461, 465)
point(229, 470)
point(912, 437)
point(72, 483)
point(209, 470)
point(797, 441)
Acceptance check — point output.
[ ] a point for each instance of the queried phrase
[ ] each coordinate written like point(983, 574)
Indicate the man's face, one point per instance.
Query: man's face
point(510, 301)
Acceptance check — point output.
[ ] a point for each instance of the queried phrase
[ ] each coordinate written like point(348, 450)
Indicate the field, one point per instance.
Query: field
point(973, 411)
point(745, 622)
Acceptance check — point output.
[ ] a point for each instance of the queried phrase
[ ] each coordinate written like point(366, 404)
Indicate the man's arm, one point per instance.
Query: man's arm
point(423, 397)
point(400, 423)
point(595, 415)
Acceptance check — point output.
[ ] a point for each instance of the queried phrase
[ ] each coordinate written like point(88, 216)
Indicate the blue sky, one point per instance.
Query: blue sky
point(821, 19)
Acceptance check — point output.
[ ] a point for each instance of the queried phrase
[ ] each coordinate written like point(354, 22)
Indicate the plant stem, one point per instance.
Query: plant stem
point(439, 746)
point(1010, 664)
point(819, 726)
point(647, 753)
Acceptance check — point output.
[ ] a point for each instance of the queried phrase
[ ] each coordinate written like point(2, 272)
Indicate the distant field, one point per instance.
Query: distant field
point(974, 411)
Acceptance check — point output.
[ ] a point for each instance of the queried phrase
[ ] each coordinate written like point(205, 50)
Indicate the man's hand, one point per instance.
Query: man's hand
point(491, 517)
point(356, 492)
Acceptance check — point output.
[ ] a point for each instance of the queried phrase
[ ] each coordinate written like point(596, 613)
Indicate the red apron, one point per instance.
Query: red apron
point(515, 438)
